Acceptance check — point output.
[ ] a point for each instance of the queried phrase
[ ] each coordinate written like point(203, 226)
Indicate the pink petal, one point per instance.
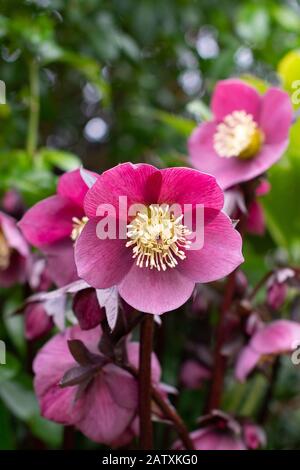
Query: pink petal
point(49, 220)
point(247, 360)
point(103, 419)
point(37, 322)
point(277, 337)
point(71, 186)
point(101, 263)
point(60, 405)
point(139, 183)
point(234, 95)
point(123, 386)
point(61, 262)
point(133, 357)
point(276, 116)
point(220, 255)
point(256, 219)
point(151, 291)
point(13, 235)
point(87, 309)
point(188, 186)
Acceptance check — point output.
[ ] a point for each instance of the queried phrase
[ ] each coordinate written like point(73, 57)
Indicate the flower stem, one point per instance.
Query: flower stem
point(34, 108)
point(220, 359)
point(146, 343)
point(168, 410)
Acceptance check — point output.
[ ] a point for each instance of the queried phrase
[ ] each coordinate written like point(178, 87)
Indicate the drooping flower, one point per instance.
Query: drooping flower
point(235, 206)
point(277, 287)
point(14, 253)
point(54, 224)
point(248, 133)
point(37, 321)
point(276, 338)
point(220, 431)
point(152, 266)
point(100, 398)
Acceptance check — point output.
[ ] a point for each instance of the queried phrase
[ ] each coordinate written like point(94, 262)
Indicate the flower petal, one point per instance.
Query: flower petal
point(276, 116)
point(72, 186)
point(103, 420)
point(234, 95)
point(188, 186)
point(277, 337)
point(49, 220)
point(101, 263)
point(61, 262)
point(220, 254)
point(133, 181)
point(153, 291)
point(247, 360)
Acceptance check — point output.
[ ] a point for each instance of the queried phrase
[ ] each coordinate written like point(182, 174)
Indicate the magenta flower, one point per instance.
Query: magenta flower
point(37, 322)
point(54, 224)
point(247, 135)
point(220, 431)
point(278, 287)
point(14, 253)
point(100, 399)
point(278, 337)
point(153, 268)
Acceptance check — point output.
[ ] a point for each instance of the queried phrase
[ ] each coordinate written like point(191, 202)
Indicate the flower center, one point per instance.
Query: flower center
point(5, 252)
point(158, 238)
point(78, 226)
point(238, 136)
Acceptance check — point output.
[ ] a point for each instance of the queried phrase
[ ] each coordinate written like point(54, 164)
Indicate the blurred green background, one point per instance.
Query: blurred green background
point(101, 82)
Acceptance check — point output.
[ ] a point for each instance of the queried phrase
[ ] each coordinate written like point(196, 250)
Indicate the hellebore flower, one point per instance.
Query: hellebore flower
point(53, 225)
point(234, 206)
point(220, 431)
point(14, 252)
point(278, 337)
point(99, 398)
point(37, 320)
point(278, 287)
point(247, 135)
point(152, 265)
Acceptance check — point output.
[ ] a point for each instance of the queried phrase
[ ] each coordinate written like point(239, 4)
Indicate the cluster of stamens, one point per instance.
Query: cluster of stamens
point(78, 226)
point(158, 238)
point(237, 136)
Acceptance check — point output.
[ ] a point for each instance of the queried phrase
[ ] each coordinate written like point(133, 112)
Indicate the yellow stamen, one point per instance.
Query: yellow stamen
point(78, 226)
point(5, 252)
point(238, 136)
point(158, 238)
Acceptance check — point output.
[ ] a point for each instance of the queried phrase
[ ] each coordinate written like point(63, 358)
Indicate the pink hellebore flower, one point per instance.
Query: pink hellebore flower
point(153, 268)
point(278, 337)
point(54, 224)
point(37, 321)
point(101, 399)
point(278, 287)
point(220, 431)
point(248, 133)
point(235, 205)
point(14, 252)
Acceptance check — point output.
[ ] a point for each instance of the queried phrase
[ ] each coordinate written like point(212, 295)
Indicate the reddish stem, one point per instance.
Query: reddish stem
point(169, 411)
point(146, 343)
